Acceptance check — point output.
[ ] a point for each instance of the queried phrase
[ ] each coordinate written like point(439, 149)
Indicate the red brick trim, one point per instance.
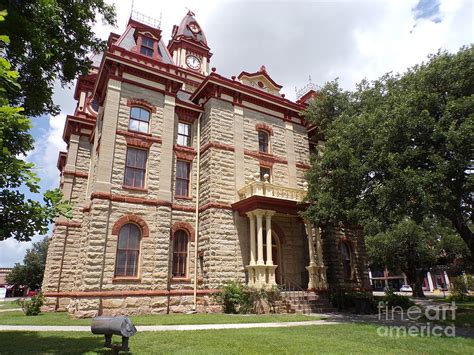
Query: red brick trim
point(131, 218)
point(260, 126)
point(226, 147)
point(142, 103)
point(150, 202)
point(302, 165)
point(184, 153)
point(183, 208)
point(129, 199)
point(78, 174)
point(68, 224)
point(216, 205)
point(185, 115)
point(265, 158)
point(187, 227)
point(141, 140)
point(129, 293)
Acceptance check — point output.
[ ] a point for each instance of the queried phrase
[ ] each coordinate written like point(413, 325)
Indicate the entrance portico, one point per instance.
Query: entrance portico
point(261, 202)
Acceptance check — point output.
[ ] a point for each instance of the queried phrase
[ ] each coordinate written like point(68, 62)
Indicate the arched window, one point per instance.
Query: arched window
point(128, 251)
point(346, 253)
point(180, 253)
point(139, 119)
point(263, 139)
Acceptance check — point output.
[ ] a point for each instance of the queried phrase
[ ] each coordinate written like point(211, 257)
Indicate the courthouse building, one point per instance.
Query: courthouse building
point(182, 179)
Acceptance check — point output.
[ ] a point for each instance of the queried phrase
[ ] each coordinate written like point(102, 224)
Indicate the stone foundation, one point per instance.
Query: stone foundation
point(82, 307)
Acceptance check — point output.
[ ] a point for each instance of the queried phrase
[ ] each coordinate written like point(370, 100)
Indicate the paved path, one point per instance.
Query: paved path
point(10, 310)
point(160, 328)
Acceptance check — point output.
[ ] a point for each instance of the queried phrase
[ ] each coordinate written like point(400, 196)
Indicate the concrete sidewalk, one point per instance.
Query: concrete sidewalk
point(161, 328)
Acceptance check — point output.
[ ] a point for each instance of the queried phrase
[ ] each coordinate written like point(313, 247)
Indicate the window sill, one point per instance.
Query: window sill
point(140, 133)
point(133, 188)
point(188, 198)
point(180, 280)
point(176, 280)
point(124, 279)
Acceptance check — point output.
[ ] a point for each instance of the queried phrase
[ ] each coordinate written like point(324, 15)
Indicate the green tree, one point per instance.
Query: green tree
point(414, 249)
point(20, 218)
point(397, 148)
point(31, 272)
point(50, 40)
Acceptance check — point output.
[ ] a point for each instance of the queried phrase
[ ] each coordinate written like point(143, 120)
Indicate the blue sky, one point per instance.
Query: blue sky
point(351, 40)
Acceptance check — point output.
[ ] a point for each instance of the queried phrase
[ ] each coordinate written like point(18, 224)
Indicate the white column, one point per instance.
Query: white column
point(430, 281)
point(259, 215)
point(309, 234)
point(252, 238)
point(268, 224)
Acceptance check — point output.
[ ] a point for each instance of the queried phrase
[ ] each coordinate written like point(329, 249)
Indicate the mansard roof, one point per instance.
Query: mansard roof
point(189, 29)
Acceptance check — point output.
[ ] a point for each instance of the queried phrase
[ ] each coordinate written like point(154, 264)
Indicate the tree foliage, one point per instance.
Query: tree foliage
point(50, 40)
point(413, 249)
point(398, 148)
point(20, 217)
point(31, 272)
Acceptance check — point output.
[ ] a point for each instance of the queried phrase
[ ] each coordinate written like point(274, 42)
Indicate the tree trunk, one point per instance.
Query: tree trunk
point(466, 234)
point(418, 286)
point(415, 280)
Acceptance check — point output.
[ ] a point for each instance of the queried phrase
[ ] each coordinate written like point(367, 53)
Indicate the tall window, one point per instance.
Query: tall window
point(180, 253)
point(263, 141)
point(264, 170)
point(135, 168)
point(147, 46)
point(182, 178)
point(184, 134)
point(139, 119)
point(346, 253)
point(128, 251)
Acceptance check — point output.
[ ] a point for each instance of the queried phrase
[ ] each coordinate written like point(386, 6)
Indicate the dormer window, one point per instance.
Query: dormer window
point(147, 46)
point(139, 119)
point(263, 139)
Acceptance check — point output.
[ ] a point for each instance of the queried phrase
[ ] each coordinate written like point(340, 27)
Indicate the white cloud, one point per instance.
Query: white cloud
point(12, 251)
point(45, 154)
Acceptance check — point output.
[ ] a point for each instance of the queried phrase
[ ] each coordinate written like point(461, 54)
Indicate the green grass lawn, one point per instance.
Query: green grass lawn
point(9, 305)
point(350, 338)
point(464, 314)
point(62, 318)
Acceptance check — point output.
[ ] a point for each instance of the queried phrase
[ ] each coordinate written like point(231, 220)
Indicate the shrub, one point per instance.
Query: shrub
point(391, 299)
point(231, 296)
point(32, 307)
point(238, 298)
point(458, 289)
point(344, 299)
point(273, 296)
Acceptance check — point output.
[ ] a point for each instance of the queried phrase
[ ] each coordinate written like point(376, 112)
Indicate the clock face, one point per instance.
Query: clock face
point(193, 62)
point(194, 28)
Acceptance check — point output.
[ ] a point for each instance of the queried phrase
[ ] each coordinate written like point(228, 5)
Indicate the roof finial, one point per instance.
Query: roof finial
point(190, 12)
point(263, 69)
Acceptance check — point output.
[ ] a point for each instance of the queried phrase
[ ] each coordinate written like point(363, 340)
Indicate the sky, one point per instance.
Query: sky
point(297, 41)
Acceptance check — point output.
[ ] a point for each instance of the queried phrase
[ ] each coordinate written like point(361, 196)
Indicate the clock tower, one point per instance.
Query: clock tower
point(188, 46)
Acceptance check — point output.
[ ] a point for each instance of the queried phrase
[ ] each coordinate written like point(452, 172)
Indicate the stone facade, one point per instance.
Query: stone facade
point(239, 223)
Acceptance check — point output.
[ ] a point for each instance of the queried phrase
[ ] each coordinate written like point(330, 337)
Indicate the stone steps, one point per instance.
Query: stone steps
point(304, 303)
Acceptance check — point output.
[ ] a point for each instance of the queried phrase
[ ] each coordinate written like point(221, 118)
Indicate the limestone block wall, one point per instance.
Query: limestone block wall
point(64, 245)
point(331, 238)
point(220, 246)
